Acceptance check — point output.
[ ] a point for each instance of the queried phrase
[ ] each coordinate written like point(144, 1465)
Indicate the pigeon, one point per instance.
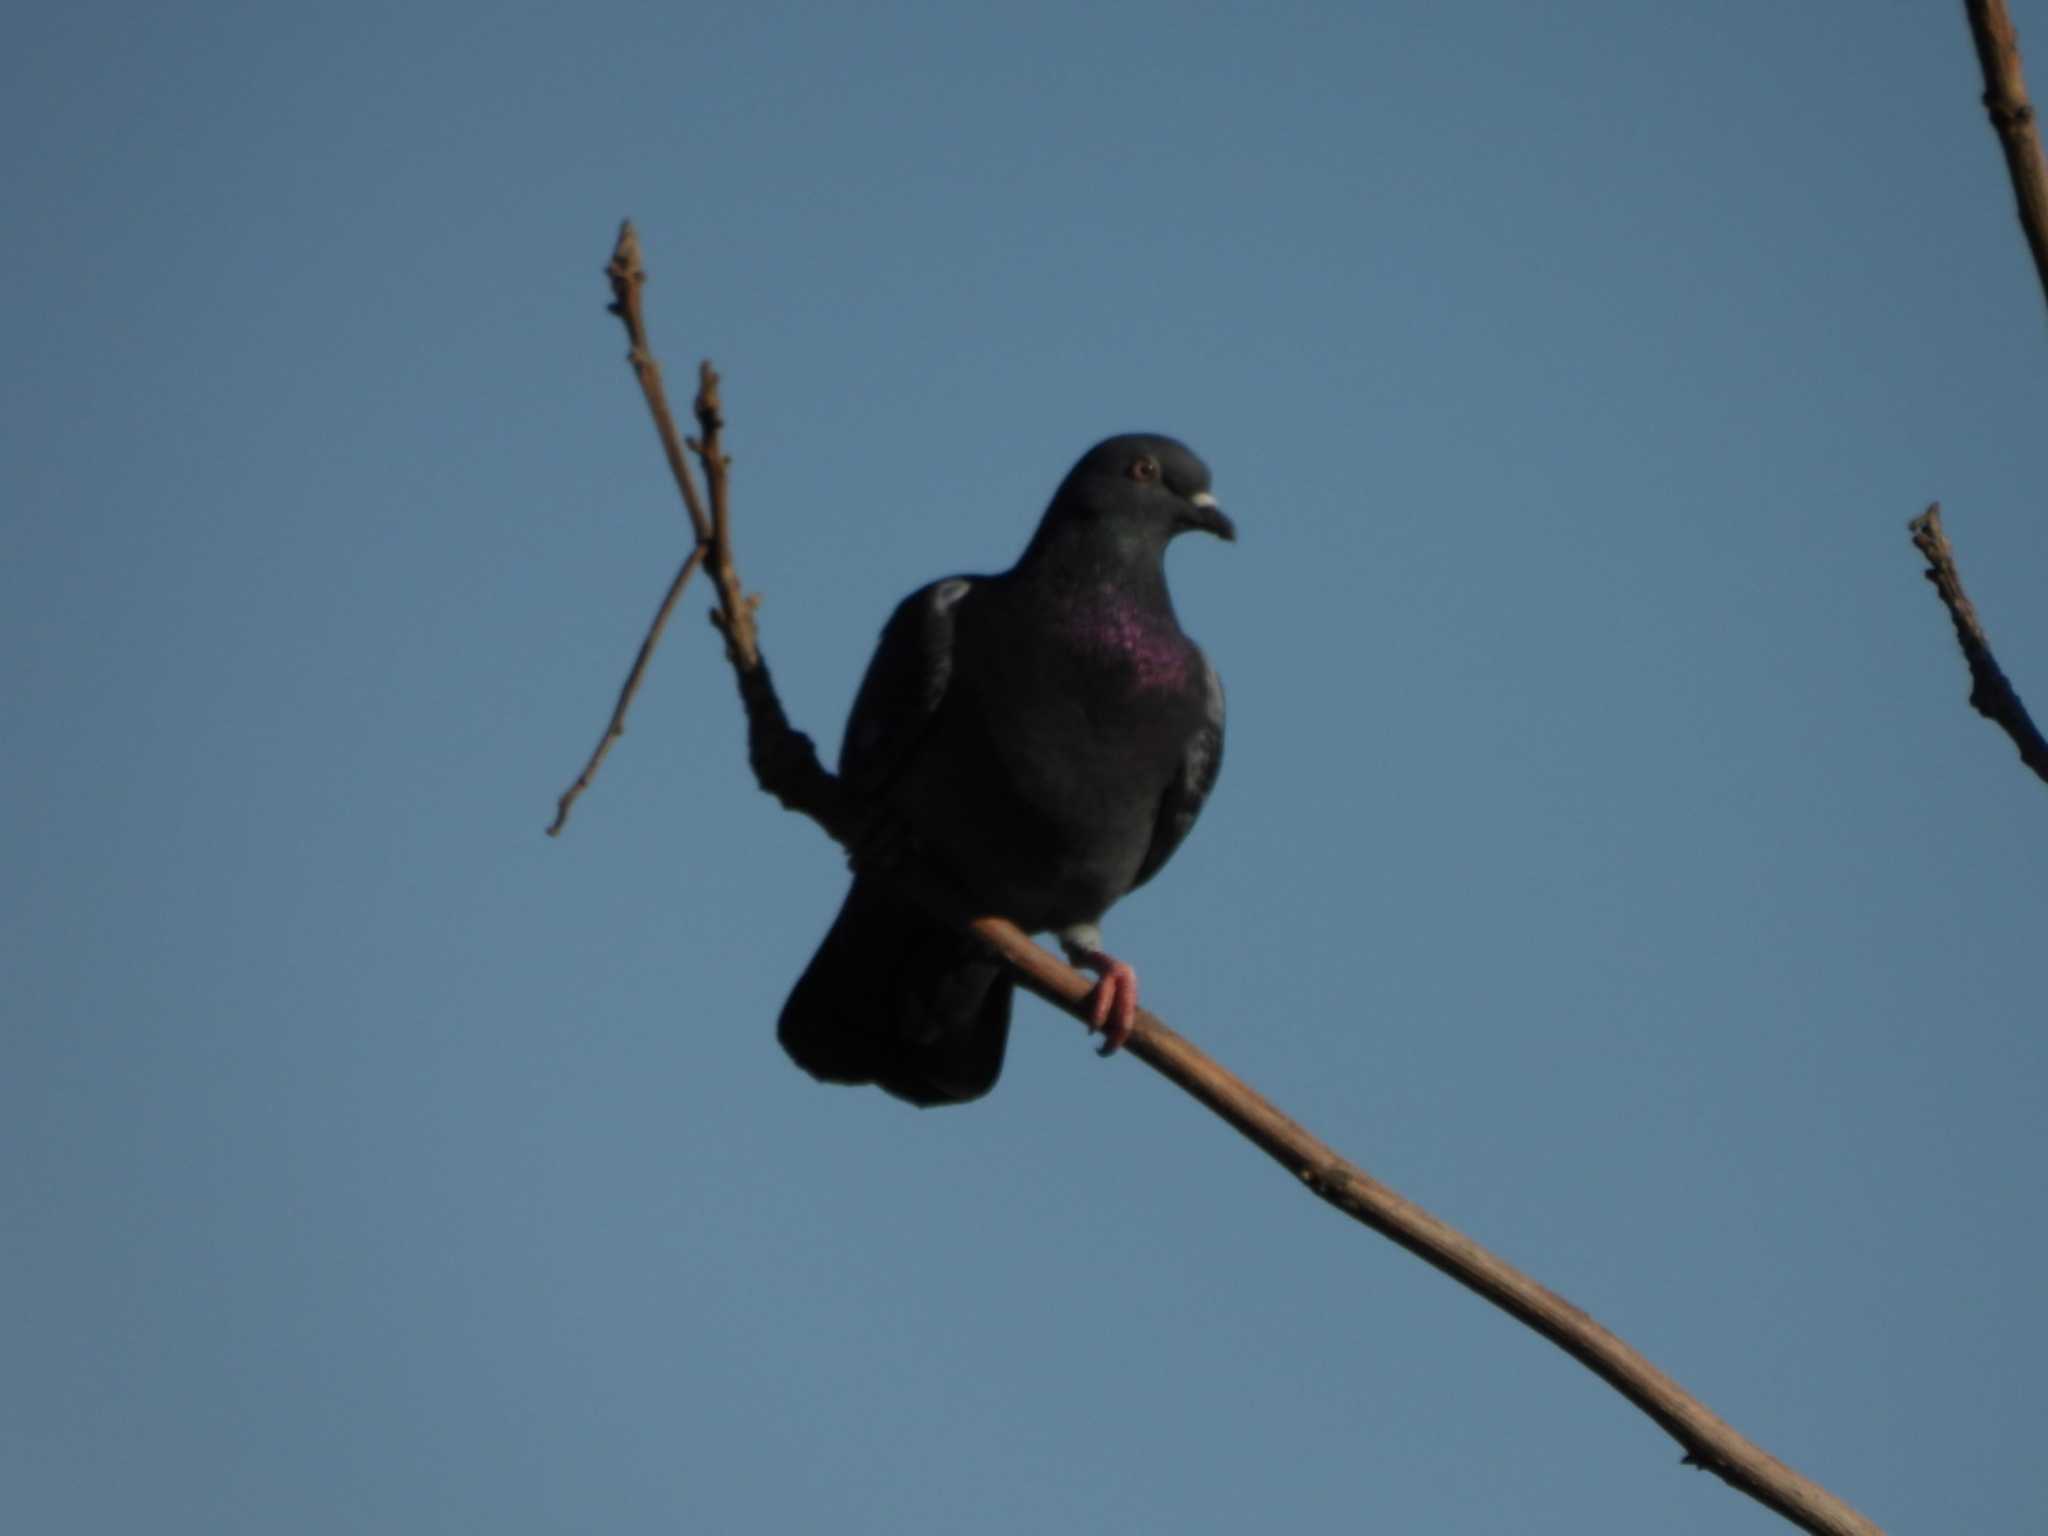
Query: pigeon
point(1045, 738)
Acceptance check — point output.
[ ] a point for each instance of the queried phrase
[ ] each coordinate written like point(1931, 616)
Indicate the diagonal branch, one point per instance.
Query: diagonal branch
point(617, 726)
point(628, 278)
point(1992, 694)
point(2012, 118)
point(786, 765)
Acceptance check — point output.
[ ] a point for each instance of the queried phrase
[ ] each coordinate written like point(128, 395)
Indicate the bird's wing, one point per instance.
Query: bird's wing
point(905, 682)
point(1199, 765)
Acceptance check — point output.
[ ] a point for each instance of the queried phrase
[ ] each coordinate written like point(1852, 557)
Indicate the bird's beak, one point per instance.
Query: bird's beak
point(1209, 517)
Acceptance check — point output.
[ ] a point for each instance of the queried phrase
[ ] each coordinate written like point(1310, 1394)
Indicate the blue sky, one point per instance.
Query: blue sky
point(1604, 854)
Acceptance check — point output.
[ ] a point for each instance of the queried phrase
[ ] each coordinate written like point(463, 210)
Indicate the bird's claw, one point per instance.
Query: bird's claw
point(1113, 1005)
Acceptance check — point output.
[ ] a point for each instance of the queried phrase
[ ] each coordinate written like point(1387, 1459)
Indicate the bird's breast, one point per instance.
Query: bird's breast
point(1113, 632)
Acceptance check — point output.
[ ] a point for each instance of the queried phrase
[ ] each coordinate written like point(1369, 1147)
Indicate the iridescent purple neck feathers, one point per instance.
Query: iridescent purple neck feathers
point(1112, 623)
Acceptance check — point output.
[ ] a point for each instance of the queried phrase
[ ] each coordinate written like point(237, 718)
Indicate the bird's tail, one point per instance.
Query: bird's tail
point(894, 998)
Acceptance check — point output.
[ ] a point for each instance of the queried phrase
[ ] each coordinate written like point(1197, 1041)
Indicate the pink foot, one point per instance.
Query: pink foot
point(1113, 1005)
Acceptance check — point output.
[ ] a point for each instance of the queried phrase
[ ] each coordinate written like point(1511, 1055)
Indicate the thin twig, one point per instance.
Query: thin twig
point(2012, 118)
point(1992, 694)
point(628, 279)
point(786, 765)
point(735, 613)
point(617, 727)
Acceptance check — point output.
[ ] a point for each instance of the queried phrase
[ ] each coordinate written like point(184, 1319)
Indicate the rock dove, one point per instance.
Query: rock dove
point(1046, 737)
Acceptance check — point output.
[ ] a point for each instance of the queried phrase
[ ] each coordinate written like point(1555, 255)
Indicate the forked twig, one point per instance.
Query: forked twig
point(786, 765)
point(628, 278)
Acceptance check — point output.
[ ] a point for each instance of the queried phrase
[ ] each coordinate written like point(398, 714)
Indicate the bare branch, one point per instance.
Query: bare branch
point(735, 614)
point(628, 277)
point(2012, 118)
point(786, 764)
point(617, 727)
point(1992, 694)
point(1708, 1441)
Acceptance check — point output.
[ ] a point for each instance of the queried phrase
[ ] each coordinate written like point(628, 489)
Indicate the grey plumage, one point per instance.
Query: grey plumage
point(1047, 737)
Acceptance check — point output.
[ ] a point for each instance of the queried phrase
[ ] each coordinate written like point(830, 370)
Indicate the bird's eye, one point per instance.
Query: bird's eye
point(1144, 469)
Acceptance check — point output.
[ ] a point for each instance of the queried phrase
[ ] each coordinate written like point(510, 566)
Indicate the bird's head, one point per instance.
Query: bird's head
point(1140, 486)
